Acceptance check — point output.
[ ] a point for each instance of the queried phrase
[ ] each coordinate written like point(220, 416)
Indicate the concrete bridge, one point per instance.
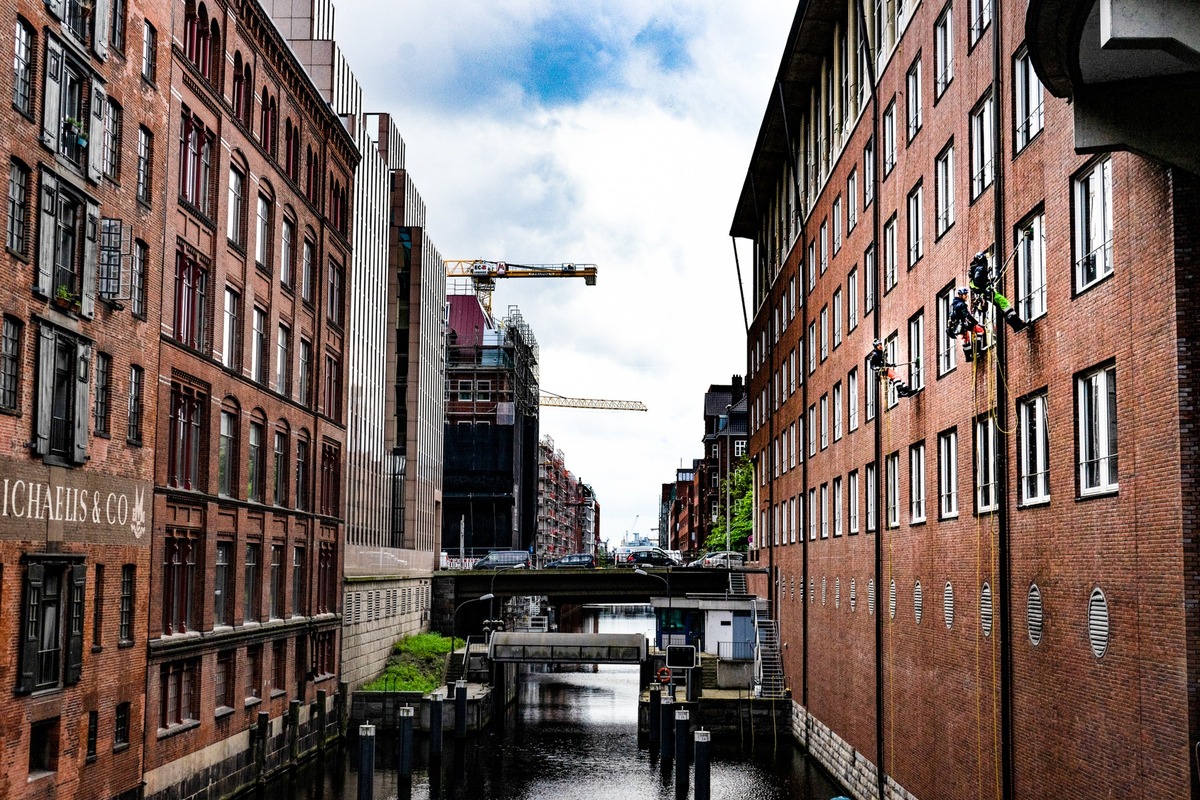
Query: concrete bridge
point(567, 648)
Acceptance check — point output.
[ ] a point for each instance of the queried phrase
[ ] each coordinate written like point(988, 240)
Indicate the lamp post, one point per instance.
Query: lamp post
point(454, 616)
point(666, 580)
point(492, 589)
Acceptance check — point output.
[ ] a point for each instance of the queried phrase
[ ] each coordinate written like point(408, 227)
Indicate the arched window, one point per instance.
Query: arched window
point(279, 464)
point(291, 146)
point(303, 471)
point(239, 84)
point(227, 448)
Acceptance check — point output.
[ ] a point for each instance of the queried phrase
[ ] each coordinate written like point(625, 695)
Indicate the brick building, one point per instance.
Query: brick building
point(243, 601)
point(78, 356)
point(724, 444)
point(567, 511)
point(985, 588)
point(685, 529)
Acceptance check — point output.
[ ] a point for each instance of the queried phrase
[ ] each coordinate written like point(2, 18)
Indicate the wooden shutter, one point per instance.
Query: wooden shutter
point(95, 133)
point(27, 677)
point(75, 624)
point(83, 375)
point(55, 7)
point(52, 121)
point(100, 12)
point(45, 389)
point(91, 257)
point(47, 224)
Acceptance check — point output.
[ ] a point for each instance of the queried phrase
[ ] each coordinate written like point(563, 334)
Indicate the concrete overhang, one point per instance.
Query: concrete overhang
point(1131, 69)
point(809, 43)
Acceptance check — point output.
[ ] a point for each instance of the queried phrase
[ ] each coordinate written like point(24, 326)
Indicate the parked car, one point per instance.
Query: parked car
point(652, 557)
point(573, 561)
point(697, 562)
point(623, 556)
point(504, 559)
point(726, 559)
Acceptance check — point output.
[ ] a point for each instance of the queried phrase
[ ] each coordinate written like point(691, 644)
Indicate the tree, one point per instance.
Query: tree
point(740, 495)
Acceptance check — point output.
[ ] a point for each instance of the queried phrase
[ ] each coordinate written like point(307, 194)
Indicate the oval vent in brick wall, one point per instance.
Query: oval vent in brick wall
point(812, 589)
point(985, 609)
point(1098, 622)
point(948, 605)
point(837, 592)
point(853, 594)
point(822, 590)
point(918, 602)
point(892, 599)
point(1034, 616)
point(871, 596)
point(801, 595)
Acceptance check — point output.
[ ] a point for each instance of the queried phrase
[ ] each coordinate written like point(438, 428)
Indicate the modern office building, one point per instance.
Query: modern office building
point(986, 588)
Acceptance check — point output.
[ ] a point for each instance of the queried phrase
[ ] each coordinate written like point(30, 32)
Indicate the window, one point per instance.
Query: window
point(837, 317)
point(223, 585)
point(943, 173)
point(947, 355)
point(824, 421)
point(98, 598)
point(306, 270)
point(327, 578)
point(51, 652)
point(231, 352)
point(948, 474)
point(1028, 114)
point(824, 236)
point(243, 97)
point(812, 266)
point(223, 683)
point(149, 51)
point(824, 511)
point(331, 479)
point(110, 157)
point(889, 138)
point(276, 585)
point(1031, 267)
point(137, 279)
point(266, 130)
point(287, 253)
point(943, 51)
point(892, 498)
point(333, 386)
point(305, 376)
point(10, 364)
point(253, 673)
point(103, 403)
point(872, 492)
point(889, 254)
point(812, 347)
point(890, 346)
point(121, 727)
point(824, 333)
point(195, 163)
point(63, 404)
point(237, 187)
point(191, 301)
point(335, 293)
point(837, 224)
point(283, 360)
point(916, 482)
point(179, 605)
point(1096, 415)
point(255, 476)
point(981, 17)
point(872, 390)
point(18, 207)
point(916, 351)
point(116, 26)
point(291, 150)
point(252, 594)
point(145, 161)
point(837, 411)
point(187, 424)
point(986, 498)
point(852, 399)
point(278, 666)
point(739, 448)
point(125, 622)
point(227, 452)
point(868, 279)
point(812, 514)
point(179, 693)
point(302, 465)
point(23, 68)
point(279, 471)
point(258, 347)
point(912, 98)
point(68, 251)
point(916, 224)
point(1034, 444)
point(852, 299)
point(983, 149)
point(868, 171)
point(1092, 224)
point(262, 232)
point(298, 581)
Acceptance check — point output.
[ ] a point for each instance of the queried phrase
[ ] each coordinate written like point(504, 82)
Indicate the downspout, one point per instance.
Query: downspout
point(769, 533)
point(804, 402)
point(877, 329)
point(1004, 553)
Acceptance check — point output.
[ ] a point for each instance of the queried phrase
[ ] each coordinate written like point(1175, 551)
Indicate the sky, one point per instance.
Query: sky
point(612, 132)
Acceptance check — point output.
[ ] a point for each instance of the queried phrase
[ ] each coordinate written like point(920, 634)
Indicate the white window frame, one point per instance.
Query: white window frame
point(1033, 458)
point(824, 421)
point(979, 20)
point(812, 347)
point(868, 172)
point(1029, 106)
point(852, 299)
point(824, 333)
point(837, 411)
point(943, 176)
point(869, 279)
point(837, 317)
point(916, 482)
point(812, 514)
point(889, 254)
point(871, 384)
point(852, 200)
point(824, 510)
point(1092, 228)
point(852, 502)
point(986, 485)
point(837, 224)
point(916, 351)
point(824, 246)
point(812, 430)
point(890, 345)
point(916, 224)
point(869, 482)
point(1031, 267)
point(1096, 430)
point(947, 345)
point(852, 400)
point(943, 51)
point(891, 498)
point(912, 98)
point(948, 474)
point(888, 128)
point(837, 507)
point(983, 147)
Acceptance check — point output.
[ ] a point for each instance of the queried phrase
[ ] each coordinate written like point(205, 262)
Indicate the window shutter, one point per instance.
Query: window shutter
point(95, 145)
point(45, 390)
point(83, 376)
point(51, 113)
point(100, 13)
point(75, 629)
point(55, 7)
point(29, 630)
point(91, 255)
point(46, 235)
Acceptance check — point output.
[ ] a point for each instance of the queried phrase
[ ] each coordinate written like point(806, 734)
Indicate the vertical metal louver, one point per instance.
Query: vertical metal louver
point(853, 594)
point(871, 596)
point(892, 599)
point(1034, 616)
point(812, 589)
point(948, 605)
point(837, 592)
point(822, 590)
point(985, 609)
point(1098, 622)
point(918, 602)
point(801, 588)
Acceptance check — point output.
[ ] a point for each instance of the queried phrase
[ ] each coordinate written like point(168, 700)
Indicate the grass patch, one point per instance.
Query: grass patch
point(417, 664)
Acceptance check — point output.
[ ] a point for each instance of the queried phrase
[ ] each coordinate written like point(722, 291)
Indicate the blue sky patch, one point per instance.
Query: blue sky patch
point(667, 43)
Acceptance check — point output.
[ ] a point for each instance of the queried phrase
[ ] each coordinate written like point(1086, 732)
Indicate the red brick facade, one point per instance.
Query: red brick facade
point(1084, 680)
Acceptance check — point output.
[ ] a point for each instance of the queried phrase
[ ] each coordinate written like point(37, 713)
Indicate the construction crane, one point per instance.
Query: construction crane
point(483, 274)
point(551, 399)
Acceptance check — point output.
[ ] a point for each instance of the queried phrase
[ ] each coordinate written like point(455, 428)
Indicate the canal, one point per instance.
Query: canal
point(571, 736)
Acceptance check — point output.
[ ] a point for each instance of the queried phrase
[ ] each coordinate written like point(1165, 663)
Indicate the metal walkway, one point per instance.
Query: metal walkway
point(568, 648)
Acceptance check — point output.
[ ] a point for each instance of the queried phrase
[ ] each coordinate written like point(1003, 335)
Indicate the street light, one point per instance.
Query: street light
point(492, 589)
point(666, 580)
point(454, 619)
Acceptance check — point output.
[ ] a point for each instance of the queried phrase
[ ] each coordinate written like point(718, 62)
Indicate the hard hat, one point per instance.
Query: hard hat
point(962, 290)
point(980, 256)
point(877, 343)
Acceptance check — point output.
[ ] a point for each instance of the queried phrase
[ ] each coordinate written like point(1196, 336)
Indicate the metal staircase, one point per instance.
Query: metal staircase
point(768, 666)
point(737, 582)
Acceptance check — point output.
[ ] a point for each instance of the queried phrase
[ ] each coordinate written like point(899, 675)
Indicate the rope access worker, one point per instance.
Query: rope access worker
point(877, 360)
point(963, 323)
point(980, 279)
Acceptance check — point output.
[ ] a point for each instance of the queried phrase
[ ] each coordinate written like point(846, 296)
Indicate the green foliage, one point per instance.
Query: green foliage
point(740, 487)
point(417, 664)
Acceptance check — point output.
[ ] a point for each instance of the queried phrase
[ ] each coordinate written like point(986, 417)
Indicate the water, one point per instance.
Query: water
point(571, 736)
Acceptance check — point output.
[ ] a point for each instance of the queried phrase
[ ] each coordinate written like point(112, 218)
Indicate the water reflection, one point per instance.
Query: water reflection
point(571, 736)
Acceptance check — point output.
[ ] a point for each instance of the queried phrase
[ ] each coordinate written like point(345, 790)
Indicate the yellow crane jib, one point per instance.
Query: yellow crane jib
point(549, 399)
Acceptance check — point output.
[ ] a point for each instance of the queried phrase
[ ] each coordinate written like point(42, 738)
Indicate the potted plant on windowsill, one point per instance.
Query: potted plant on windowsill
point(75, 129)
point(65, 298)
